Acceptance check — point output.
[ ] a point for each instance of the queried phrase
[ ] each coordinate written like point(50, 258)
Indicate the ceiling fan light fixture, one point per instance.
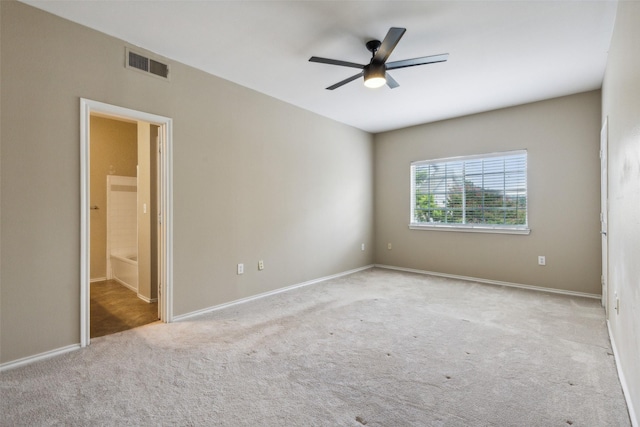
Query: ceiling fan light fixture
point(375, 76)
point(375, 82)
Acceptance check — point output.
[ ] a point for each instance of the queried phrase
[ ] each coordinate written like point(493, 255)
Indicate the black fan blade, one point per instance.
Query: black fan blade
point(391, 82)
point(345, 81)
point(335, 62)
point(417, 61)
point(389, 43)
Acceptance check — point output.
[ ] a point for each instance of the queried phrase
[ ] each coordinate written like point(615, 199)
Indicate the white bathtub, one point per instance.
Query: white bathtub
point(124, 269)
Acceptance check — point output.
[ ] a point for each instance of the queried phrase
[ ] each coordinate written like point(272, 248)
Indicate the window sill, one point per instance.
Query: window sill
point(470, 229)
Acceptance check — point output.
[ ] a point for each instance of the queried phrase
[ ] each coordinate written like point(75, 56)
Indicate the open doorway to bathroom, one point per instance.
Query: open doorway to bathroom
point(123, 256)
point(126, 230)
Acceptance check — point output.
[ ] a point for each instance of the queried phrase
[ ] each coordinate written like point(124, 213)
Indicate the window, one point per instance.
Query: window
point(475, 193)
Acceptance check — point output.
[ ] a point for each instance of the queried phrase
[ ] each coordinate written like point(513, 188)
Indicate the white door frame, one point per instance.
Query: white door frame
point(165, 207)
point(604, 211)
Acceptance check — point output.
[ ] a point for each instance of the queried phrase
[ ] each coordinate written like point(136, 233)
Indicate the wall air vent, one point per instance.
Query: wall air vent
point(143, 62)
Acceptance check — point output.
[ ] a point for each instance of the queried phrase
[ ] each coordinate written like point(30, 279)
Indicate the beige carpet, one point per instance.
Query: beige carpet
point(377, 348)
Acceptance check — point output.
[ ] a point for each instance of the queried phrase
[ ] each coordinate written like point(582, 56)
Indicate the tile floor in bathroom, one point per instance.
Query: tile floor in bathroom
point(115, 308)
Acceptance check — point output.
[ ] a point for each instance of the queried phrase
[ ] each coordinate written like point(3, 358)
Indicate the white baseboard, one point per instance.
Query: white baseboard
point(52, 353)
point(266, 294)
point(492, 282)
point(147, 300)
point(126, 285)
point(37, 357)
point(623, 381)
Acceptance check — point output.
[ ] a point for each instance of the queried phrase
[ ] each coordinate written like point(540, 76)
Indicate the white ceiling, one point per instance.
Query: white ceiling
point(502, 53)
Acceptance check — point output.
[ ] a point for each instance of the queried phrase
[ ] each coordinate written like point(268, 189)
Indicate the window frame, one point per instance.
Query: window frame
point(473, 228)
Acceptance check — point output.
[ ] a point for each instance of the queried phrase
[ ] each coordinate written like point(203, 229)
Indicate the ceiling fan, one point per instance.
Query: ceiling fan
point(375, 72)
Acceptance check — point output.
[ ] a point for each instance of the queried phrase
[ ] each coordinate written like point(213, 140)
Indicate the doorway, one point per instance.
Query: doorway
point(153, 217)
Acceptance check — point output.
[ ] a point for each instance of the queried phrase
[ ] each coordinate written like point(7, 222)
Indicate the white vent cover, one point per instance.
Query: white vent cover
point(143, 62)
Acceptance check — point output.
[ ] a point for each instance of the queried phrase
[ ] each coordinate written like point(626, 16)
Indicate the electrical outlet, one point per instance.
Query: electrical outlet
point(389, 246)
point(363, 246)
point(240, 268)
point(261, 265)
point(542, 260)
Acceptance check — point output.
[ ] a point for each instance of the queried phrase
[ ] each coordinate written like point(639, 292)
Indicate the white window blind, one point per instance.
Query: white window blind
point(473, 193)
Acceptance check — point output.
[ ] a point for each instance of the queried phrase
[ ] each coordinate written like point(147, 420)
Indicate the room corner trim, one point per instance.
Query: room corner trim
point(266, 294)
point(38, 357)
point(492, 282)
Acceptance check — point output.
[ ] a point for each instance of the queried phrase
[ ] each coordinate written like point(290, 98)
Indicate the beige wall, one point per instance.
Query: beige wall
point(113, 144)
point(254, 178)
point(621, 104)
point(562, 140)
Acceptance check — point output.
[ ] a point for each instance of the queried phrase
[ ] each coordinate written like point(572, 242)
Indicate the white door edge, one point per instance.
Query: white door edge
point(604, 211)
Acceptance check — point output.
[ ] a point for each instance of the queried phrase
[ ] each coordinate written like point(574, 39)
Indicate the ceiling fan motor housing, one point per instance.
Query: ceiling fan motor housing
point(375, 69)
point(375, 74)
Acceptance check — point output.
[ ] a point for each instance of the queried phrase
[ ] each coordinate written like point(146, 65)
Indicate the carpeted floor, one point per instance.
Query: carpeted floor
point(376, 348)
